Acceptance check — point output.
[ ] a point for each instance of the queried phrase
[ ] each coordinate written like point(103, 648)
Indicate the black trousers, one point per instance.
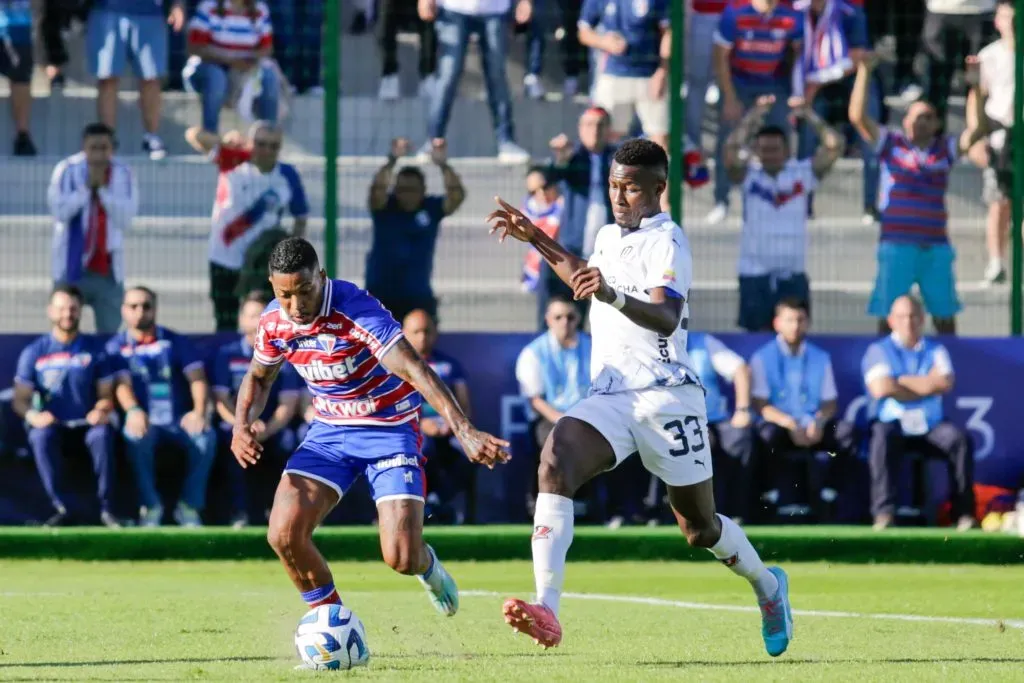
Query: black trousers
point(401, 14)
point(838, 437)
point(225, 301)
point(945, 441)
point(902, 20)
point(946, 41)
point(732, 455)
point(57, 16)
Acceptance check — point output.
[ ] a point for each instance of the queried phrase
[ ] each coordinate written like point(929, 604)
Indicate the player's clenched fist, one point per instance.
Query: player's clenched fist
point(588, 282)
point(484, 449)
point(245, 445)
point(508, 221)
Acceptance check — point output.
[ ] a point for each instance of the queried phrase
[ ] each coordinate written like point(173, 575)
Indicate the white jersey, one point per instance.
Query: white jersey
point(625, 356)
point(774, 237)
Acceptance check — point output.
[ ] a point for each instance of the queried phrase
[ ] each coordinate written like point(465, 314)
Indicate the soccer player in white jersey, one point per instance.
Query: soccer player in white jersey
point(645, 394)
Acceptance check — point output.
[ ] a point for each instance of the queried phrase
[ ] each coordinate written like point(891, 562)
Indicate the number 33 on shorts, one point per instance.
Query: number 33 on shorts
point(682, 431)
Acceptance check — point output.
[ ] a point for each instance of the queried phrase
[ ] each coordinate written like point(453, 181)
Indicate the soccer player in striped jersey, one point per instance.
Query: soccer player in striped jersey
point(367, 382)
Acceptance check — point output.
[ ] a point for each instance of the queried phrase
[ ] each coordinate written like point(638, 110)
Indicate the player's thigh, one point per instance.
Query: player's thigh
point(897, 269)
point(671, 431)
point(398, 485)
point(937, 281)
point(594, 436)
point(300, 504)
point(611, 93)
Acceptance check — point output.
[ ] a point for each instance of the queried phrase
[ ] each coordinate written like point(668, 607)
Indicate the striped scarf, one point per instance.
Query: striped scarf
point(826, 49)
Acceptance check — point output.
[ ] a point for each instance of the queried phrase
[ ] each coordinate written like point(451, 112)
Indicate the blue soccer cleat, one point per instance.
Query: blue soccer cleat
point(440, 587)
point(777, 617)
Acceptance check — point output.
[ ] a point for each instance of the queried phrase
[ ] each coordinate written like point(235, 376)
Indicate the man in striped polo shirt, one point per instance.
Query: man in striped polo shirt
point(914, 244)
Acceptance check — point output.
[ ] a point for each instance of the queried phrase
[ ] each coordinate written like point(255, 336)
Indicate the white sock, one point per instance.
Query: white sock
point(552, 536)
point(735, 552)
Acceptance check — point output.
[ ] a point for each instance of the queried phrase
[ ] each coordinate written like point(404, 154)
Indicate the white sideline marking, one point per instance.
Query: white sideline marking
point(660, 602)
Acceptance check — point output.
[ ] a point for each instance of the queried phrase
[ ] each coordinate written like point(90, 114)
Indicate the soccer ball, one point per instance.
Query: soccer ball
point(331, 637)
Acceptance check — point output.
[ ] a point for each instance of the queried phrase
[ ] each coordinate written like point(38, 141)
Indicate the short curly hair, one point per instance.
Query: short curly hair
point(293, 255)
point(642, 153)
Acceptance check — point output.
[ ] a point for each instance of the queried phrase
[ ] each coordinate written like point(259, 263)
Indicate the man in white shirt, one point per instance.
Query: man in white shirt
point(776, 191)
point(645, 397)
point(93, 199)
point(251, 200)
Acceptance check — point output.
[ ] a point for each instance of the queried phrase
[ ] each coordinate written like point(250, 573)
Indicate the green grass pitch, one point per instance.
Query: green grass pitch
point(233, 620)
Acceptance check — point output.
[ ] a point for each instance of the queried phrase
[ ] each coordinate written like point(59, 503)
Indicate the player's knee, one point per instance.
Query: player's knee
point(553, 476)
point(286, 532)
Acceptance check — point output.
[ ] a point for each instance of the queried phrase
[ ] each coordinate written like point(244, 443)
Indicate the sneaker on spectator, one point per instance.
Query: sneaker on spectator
point(616, 522)
point(712, 95)
point(532, 87)
point(870, 217)
point(389, 89)
point(424, 152)
point(58, 518)
point(570, 86)
point(427, 86)
point(108, 520)
point(239, 521)
point(995, 273)
point(150, 517)
point(187, 516)
point(910, 94)
point(23, 145)
point(154, 147)
point(717, 214)
point(511, 153)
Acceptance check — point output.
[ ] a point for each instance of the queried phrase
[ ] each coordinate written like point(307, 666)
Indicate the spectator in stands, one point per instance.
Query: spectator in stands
point(776, 191)
point(394, 14)
point(581, 171)
point(949, 25)
point(914, 244)
point(553, 370)
point(298, 43)
point(165, 399)
point(456, 22)
point(573, 56)
point(230, 43)
point(755, 45)
point(63, 387)
point(251, 200)
point(731, 437)
point(406, 224)
point(703, 18)
point(994, 155)
point(93, 199)
point(450, 475)
point(16, 66)
point(902, 20)
point(908, 374)
point(118, 29)
point(543, 206)
point(57, 18)
point(231, 362)
point(634, 45)
point(836, 39)
point(794, 392)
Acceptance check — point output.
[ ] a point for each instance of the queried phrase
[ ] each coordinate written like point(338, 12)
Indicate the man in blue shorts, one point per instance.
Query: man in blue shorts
point(366, 381)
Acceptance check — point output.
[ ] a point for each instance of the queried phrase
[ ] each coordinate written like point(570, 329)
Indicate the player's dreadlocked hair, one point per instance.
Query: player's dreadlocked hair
point(293, 255)
point(642, 153)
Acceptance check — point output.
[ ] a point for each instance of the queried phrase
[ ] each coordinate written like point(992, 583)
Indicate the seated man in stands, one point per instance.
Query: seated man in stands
point(164, 400)
point(731, 437)
point(229, 367)
point(554, 369)
point(794, 392)
point(907, 374)
point(63, 387)
point(449, 474)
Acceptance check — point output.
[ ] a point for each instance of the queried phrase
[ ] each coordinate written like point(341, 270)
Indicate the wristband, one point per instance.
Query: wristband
point(133, 409)
point(620, 301)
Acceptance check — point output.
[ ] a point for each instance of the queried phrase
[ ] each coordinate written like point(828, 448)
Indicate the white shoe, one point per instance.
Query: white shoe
point(616, 522)
point(570, 87)
point(532, 87)
point(510, 153)
point(868, 219)
point(717, 214)
point(187, 516)
point(912, 93)
point(712, 95)
point(424, 152)
point(150, 517)
point(389, 88)
point(995, 273)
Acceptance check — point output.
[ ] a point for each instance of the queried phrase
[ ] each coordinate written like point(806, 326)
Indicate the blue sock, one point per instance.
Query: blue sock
point(324, 595)
point(430, 568)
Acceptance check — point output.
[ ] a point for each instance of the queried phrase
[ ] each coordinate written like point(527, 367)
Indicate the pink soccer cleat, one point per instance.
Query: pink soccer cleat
point(536, 621)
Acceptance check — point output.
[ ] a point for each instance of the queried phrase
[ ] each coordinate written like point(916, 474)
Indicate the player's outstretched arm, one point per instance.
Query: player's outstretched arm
point(403, 361)
point(252, 399)
point(508, 221)
point(866, 126)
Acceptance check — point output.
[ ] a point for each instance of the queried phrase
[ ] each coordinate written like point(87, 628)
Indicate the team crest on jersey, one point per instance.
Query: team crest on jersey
point(640, 8)
point(326, 342)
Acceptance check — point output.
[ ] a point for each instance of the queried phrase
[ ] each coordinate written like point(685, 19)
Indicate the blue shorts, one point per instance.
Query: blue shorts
point(760, 293)
point(388, 456)
point(902, 265)
point(112, 38)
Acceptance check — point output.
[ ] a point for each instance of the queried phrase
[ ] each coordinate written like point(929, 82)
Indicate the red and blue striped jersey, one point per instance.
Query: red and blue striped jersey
point(338, 355)
point(912, 194)
point(761, 44)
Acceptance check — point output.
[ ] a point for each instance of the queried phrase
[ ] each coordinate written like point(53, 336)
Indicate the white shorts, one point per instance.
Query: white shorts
point(622, 95)
point(667, 426)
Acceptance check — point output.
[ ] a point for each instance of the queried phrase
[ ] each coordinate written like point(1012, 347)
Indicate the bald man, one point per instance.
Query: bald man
point(908, 375)
point(915, 163)
point(449, 473)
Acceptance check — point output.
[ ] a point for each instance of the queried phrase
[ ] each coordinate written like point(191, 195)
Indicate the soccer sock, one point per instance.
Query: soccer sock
point(735, 552)
point(432, 577)
point(552, 536)
point(324, 595)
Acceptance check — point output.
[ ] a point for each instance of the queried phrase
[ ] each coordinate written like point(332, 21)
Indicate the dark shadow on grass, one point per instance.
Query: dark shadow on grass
point(130, 662)
point(795, 661)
